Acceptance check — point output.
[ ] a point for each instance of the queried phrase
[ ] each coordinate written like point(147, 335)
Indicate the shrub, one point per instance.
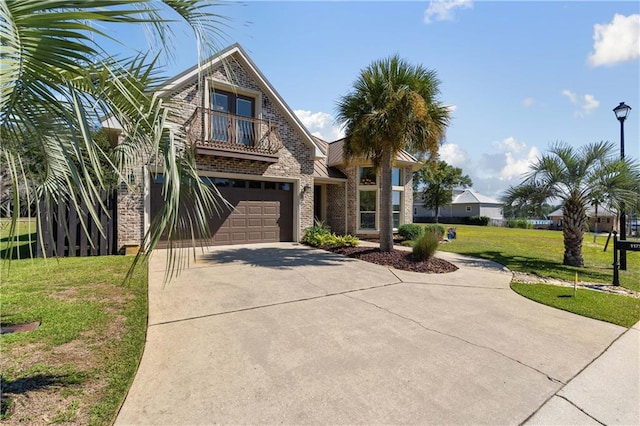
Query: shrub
point(425, 246)
point(315, 234)
point(410, 231)
point(344, 240)
point(435, 228)
point(476, 220)
point(320, 236)
point(519, 223)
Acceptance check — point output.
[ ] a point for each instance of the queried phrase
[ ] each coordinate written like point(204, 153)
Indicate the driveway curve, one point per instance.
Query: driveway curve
point(282, 333)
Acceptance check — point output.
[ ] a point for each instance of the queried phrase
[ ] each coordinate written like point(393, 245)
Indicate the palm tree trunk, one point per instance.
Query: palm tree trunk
point(573, 217)
point(386, 206)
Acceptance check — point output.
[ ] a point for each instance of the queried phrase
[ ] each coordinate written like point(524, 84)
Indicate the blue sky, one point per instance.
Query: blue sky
point(521, 75)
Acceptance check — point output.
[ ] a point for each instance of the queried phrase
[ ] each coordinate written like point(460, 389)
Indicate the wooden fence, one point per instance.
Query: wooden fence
point(63, 235)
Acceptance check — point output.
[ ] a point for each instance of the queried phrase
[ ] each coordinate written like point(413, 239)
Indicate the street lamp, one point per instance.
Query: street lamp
point(621, 112)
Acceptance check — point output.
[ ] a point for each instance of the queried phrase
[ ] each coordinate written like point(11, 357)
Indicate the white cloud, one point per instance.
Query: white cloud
point(527, 102)
point(493, 172)
point(442, 10)
point(586, 102)
point(320, 124)
point(453, 154)
point(618, 41)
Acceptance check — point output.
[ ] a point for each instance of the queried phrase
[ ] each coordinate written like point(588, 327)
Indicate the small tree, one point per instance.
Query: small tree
point(439, 179)
point(393, 106)
point(576, 177)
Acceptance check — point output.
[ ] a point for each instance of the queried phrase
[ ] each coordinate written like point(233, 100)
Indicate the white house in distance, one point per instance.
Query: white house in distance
point(607, 219)
point(465, 203)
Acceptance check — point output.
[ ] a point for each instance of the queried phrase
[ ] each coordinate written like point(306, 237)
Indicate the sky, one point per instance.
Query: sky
point(519, 76)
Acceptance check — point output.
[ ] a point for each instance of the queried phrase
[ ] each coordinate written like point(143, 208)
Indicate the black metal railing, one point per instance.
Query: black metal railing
point(220, 130)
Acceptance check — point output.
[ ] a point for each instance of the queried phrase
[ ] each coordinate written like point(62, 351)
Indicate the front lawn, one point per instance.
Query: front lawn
point(620, 310)
point(78, 365)
point(540, 252)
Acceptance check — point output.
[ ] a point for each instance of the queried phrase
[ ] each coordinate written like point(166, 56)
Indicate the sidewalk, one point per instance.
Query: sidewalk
point(606, 392)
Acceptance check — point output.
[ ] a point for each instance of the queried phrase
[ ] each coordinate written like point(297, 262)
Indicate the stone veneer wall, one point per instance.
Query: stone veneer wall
point(336, 208)
point(295, 162)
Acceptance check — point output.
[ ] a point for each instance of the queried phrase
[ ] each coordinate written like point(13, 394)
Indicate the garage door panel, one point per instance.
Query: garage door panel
point(269, 223)
point(254, 210)
point(254, 222)
point(257, 215)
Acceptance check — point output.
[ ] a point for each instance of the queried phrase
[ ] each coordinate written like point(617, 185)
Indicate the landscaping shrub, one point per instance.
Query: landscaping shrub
point(519, 223)
point(316, 234)
point(476, 220)
point(425, 246)
point(411, 231)
point(435, 228)
point(320, 236)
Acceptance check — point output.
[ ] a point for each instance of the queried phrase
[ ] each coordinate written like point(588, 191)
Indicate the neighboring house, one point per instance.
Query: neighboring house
point(263, 160)
point(606, 219)
point(465, 203)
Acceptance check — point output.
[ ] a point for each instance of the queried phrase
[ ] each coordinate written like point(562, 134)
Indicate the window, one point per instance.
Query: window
point(285, 187)
point(396, 200)
point(269, 185)
point(221, 182)
point(368, 209)
point(222, 123)
point(396, 177)
point(468, 209)
point(367, 176)
point(255, 184)
point(238, 183)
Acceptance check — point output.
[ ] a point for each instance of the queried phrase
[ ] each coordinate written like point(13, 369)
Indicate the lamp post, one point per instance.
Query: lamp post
point(621, 112)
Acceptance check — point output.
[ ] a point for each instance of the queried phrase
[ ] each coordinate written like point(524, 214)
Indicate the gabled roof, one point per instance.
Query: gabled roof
point(239, 54)
point(320, 169)
point(469, 196)
point(335, 156)
point(603, 211)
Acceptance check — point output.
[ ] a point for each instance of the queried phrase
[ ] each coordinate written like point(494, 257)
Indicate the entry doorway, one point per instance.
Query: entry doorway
point(319, 210)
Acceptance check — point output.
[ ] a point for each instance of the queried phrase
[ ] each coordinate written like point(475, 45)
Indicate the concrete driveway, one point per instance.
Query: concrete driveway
point(282, 333)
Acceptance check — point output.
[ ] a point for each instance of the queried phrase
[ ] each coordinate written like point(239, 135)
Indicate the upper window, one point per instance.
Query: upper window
point(468, 208)
point(396, 177)
point(367, 176)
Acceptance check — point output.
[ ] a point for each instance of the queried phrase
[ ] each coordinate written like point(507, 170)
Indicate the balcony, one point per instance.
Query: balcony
point(229, 135)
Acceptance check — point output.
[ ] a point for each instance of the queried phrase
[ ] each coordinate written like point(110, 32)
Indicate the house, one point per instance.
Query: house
point(465, 203)
point(262, 159)
point(606, 219)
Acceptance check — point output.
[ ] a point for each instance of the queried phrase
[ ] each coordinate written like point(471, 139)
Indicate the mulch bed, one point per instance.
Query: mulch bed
point(398, 259)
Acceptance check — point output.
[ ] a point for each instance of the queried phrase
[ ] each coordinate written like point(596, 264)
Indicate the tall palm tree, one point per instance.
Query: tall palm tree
point(576, 177)
point(57, 80)
point(393, 106)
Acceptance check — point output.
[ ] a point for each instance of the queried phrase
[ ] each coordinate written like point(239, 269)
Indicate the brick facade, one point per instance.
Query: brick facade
point(295, 162)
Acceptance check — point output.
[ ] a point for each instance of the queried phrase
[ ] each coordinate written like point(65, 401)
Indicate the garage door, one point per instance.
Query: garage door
point(262, 211)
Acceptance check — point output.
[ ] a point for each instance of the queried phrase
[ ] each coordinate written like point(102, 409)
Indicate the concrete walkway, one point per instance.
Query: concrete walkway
point(282, 333)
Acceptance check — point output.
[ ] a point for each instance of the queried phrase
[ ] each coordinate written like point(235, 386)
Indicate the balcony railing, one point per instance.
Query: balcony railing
point(220, 131)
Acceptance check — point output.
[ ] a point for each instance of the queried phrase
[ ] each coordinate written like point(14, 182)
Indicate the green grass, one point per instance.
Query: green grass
point(620, 310)
point(23, 245)
point(86, 311)
point(540, 252)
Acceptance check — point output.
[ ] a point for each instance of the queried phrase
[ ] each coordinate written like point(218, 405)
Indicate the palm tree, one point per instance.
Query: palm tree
point(391, 107)
point(576, 177)
point(56, 81)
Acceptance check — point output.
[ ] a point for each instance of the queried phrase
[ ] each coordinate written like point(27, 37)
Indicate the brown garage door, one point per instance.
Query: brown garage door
point(262, 211)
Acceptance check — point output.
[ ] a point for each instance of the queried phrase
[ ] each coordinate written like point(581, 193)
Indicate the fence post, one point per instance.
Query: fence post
point(616, 273)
